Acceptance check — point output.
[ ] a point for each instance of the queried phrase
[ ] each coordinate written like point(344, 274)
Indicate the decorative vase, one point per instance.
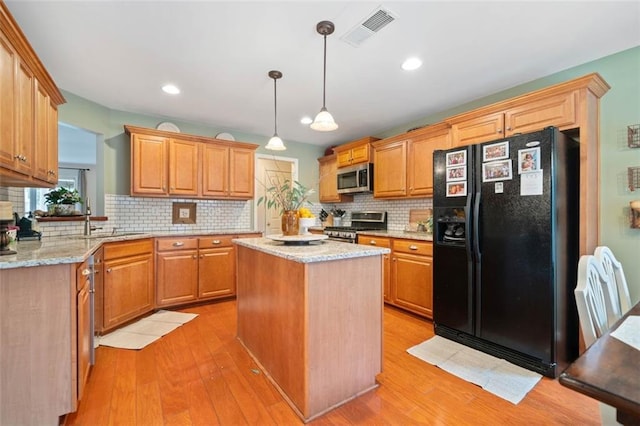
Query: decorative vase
point(61, 209)
point(290, 222)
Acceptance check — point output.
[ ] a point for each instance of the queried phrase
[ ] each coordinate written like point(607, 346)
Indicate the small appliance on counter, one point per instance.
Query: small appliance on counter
point(26, 231)
point(360, 221)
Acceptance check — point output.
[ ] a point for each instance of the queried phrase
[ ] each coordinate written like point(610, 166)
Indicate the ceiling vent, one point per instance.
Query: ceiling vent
point(370, 25)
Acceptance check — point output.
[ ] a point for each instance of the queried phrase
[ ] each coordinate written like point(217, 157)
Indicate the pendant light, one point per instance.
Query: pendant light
point(324, 120)
point(275, 143)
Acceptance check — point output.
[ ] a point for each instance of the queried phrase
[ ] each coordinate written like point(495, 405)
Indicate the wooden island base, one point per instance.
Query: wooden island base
point(314, 328)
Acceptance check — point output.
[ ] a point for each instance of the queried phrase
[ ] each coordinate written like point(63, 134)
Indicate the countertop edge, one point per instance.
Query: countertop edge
point(80, 248)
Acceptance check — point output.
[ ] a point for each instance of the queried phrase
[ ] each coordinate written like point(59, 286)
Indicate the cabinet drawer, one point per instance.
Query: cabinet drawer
point(369, 240)
point(413, 247)
point(216, 241)
point(165, 244)
point(128, 248)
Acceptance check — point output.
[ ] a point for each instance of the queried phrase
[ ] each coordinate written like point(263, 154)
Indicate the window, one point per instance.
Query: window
point(69, 178)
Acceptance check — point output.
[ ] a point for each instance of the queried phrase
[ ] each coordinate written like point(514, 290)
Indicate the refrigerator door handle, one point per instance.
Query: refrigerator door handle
point(476, 227)
point(467, 224)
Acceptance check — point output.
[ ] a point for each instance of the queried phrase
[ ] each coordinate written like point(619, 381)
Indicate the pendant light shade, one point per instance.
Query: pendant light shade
point(275, 143)
point(324, 121)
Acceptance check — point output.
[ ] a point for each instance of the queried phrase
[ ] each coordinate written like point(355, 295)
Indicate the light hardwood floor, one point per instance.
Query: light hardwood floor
point(200, 375)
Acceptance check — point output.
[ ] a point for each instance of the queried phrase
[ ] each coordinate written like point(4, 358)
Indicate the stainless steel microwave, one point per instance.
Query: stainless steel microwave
point(358, 178)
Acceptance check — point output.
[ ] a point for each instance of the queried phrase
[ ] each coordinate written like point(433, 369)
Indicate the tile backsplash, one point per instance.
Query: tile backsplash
point(397, 210)
point(154, 214)
point(140, 214)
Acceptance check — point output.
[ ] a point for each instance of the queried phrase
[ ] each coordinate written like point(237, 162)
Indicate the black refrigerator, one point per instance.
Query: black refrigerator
point(506, 235)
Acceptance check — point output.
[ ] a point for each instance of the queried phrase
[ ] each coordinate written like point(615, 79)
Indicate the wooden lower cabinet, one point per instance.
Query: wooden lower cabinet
point(195, 268)
point(217, 272)
point(407, 273)
point(176, 270)
point(128, 281)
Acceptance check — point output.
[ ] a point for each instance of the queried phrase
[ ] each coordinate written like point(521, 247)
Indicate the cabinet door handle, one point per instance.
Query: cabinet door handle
point(86, 272)
point(509, 128)
point(499, 130)
point(202, 256)
point(96, 272)
point(412, 247)
point(194, 256)
point(178, 244)
point(372, 242)
point(214, 242)
point(108, 270)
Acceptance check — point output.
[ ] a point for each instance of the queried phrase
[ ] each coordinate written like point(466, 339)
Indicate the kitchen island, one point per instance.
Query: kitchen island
point(311, 317)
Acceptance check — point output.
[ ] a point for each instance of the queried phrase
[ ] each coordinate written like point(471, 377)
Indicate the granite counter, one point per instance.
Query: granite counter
point(76, 248)
point(317, 251)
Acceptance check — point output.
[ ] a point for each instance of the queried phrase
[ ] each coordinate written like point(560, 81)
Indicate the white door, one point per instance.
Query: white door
point(270, 171)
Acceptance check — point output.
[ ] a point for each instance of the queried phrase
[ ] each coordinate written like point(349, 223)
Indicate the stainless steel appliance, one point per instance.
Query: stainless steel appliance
point(90, 272)
point(358, 178)
point(360, 221)
point(506, 248)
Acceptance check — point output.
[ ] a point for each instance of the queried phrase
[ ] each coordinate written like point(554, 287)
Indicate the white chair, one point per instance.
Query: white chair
point(617, 281)
point(592, 299)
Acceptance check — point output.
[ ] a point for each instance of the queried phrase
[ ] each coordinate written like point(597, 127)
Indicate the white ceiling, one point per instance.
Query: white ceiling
point(119, 54)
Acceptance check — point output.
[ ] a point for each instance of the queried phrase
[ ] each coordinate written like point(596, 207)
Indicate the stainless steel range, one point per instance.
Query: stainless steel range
point(360, 221)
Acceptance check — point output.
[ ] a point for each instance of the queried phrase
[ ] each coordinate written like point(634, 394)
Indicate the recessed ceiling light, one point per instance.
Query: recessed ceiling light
point(411, 64)
point(170, 89)
point(306, 120)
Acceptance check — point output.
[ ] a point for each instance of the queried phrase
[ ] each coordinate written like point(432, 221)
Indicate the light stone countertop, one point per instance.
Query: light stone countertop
point(422, 236)
point(77, 248)
point(316, 251)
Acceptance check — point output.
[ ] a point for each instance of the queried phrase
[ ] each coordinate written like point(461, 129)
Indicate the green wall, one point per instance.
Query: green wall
point(619, 108)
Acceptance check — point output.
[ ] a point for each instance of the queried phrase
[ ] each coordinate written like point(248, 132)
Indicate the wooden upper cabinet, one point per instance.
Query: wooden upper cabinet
point(25, 131)
point(184, 160)
point(355, 152)
point(241, 173)
point(148, 165)
point(480, 129)
point(390, 169)
point(420, 158)
point(166, 164)
point(28, 103)
point(215, 170)
point(404, 163)
point(557, 110)
point(45, 143)
point(328, 186)
point(8, 60)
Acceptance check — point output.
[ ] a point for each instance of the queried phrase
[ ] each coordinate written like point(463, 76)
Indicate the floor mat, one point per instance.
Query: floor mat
point(145, 331)
point(494, 375)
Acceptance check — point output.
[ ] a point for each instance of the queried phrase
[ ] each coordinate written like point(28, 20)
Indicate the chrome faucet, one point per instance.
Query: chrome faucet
point(87, 219)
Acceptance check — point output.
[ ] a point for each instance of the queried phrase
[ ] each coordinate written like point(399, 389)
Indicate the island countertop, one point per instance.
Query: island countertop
point(317, 251)
point(76, 248)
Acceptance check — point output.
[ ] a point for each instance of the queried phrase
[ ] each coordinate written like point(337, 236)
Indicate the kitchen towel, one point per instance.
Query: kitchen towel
point(145, 331)
point(494, 375)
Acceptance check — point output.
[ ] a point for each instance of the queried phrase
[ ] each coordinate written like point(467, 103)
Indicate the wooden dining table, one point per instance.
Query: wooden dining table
point(609, 371)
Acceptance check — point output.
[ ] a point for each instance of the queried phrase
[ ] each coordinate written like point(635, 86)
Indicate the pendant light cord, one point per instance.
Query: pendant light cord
point(275, 108)
point(324, 77)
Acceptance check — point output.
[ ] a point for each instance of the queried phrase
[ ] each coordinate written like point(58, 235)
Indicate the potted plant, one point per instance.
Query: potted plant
point(61, 201)
point(288, 197)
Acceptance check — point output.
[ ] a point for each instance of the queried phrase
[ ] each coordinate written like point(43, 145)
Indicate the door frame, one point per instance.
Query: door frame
point(269, 157)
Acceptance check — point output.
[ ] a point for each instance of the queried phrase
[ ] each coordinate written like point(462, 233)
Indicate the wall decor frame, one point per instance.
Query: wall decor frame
point(183, 213)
